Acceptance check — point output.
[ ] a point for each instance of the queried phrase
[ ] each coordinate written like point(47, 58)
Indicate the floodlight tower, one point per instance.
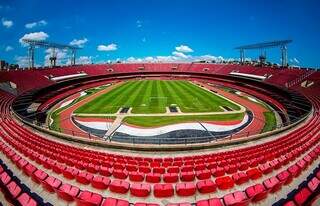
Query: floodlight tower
point(35, 43)
point(31, 55)
point(282, 44)
point(53, 57)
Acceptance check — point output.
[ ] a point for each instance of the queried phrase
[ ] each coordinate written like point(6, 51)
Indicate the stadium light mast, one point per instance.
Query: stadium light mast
point(44, 44)
point(265, 45)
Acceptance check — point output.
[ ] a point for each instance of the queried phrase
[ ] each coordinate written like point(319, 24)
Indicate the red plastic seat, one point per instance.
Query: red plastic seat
point(237, 198)
point(119, 186)
point(39, 175)
point(105, 171)
point(206, 186)
point(159, 170)
point(15, 158)
point(58, 168)
point(51, 184)
point(289, 203)
point(29, 169)
point(131, 168)
point(179, 204)
point(240, 178)
point(4, 178)
point(203, 174)
point(86, 198)
point(265, 168)
point(13, 189)
point(187, 176)
point(173, 169)
point(140, 190)
point(120, 174)
point(114, 202)
point(224, 183)
point(302, 196)
point(48, 164)
point(100, 182)
point(275, 164)
point(294, 170)
point(230, 169)
point(144, 169)
point(185, 189)
point(256, 192)
point(22, 163)
point(254, 173)
point(93, 168)
point(84, 177)
point(68, 192)
point(308, 159)
point(218, 172)
point(25, 200)
point(272, 184)
point(163, 190)
point(153, 177)
point(313, 184)
point(70, 173)
point(136, 176)
point(145, 204)
point(302, 164)
point(170, 177)
point(210, 202)
point(284, 177)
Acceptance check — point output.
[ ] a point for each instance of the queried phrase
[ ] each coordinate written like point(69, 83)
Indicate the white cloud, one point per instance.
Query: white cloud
point(79, 42)
point(110, 47)
point(184, 49)
point(139, 23)
point(177, 57)
point(132, 60)
point(7, 23)
point(179, 54)
point(8, 48)
point(144, 39)
point(35, 24)
point(149, 59)
point(39, 36)
point(209, 57)
point(84, 60)
point(22, 61)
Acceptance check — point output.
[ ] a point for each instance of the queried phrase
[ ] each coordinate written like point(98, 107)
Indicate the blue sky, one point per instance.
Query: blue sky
point(185, 30)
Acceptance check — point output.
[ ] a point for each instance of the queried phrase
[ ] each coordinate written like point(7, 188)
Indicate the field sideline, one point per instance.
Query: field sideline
point(153, 96)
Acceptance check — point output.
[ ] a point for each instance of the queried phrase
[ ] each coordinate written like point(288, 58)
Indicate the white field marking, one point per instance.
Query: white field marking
point(96, 125)
point(83, 93)
point(222, 128)
point(135, 131)
point(64, 104)
point(252, 99)
point(221, 107)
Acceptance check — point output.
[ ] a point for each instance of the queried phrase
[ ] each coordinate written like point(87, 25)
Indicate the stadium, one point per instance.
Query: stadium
point(159, 133)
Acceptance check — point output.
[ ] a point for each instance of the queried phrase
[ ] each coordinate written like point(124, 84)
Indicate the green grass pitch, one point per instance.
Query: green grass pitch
point(153, 96)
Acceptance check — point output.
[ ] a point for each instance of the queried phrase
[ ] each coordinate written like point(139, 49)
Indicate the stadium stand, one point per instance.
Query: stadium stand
point(38, 170)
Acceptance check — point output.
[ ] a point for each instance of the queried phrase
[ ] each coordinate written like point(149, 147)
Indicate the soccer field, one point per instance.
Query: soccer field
point(153, 96)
